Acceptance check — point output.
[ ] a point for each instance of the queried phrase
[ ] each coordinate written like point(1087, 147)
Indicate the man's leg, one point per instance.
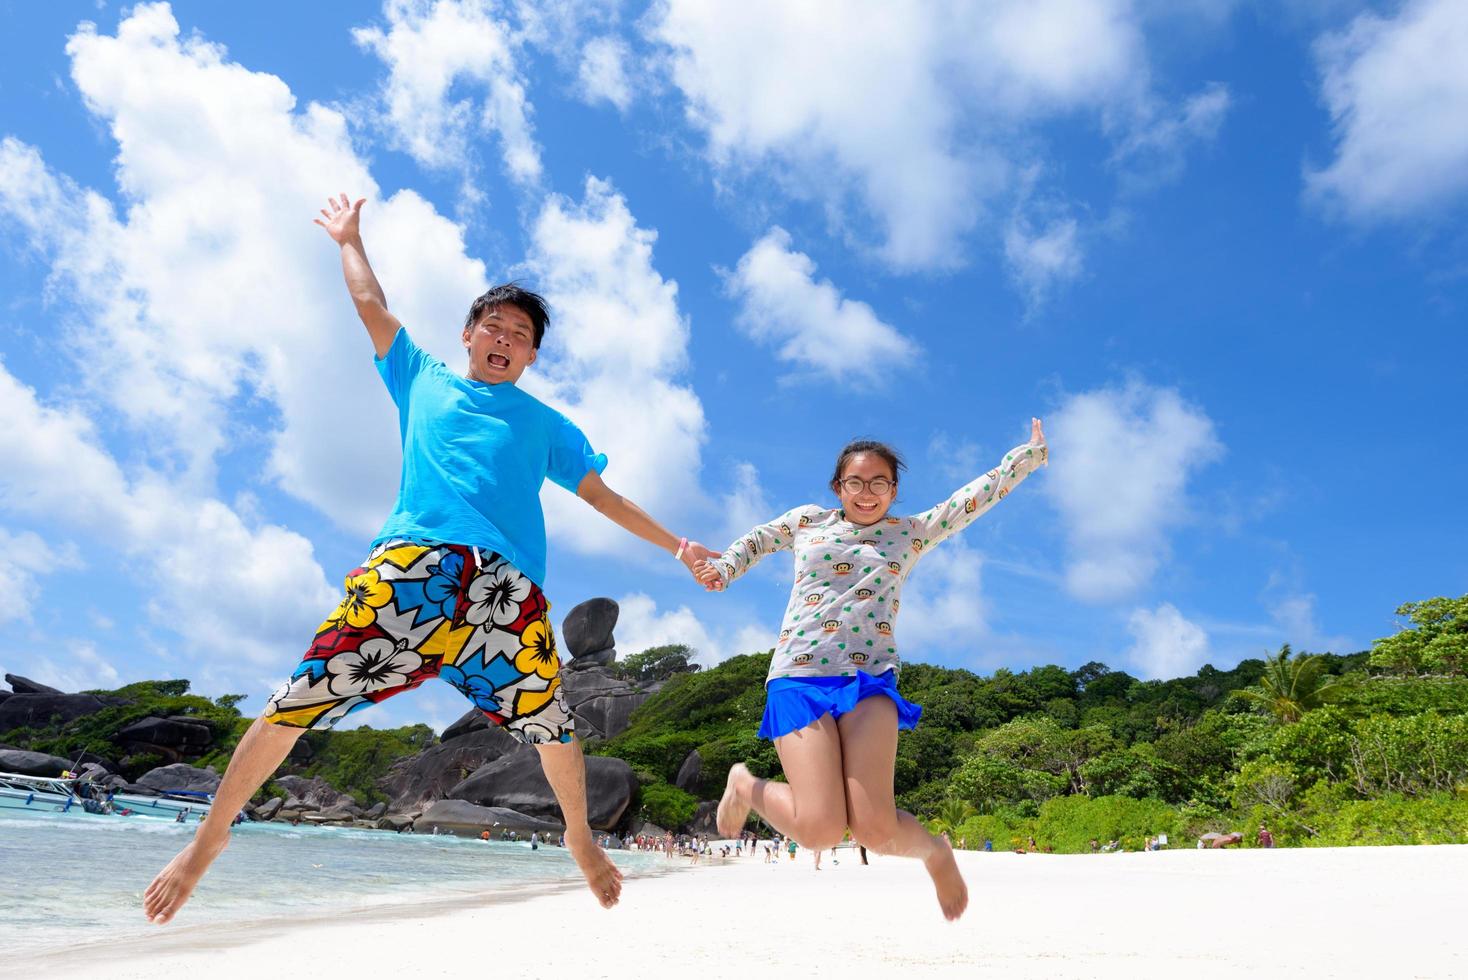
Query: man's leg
point(565, 770)
point(258, 755)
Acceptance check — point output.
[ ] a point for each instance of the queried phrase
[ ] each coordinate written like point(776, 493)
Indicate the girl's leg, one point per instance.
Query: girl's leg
point(869, 754)
point(811, 807)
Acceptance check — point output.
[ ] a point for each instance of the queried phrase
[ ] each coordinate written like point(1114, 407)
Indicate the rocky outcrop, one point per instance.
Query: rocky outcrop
point(587, 628)
point(183, 736)
point(601, 703)
point(690, 774)
point(314, 792)
point(24, 685)
point(516, 781)
point(471, 721)
point(375, 811)
point(32, 763)
point(470, 820)
point(705, 819)
point(268, 809)
point(428, 776)
point(37, 710)
point(180, 777)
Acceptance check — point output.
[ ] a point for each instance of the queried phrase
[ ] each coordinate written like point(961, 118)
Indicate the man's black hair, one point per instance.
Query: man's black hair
point(531, 304)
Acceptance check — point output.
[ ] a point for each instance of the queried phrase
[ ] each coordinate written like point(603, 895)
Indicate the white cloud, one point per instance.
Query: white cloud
point(227, 589)
point(1157, 137)
point(434, 51)
point(28, 556)
point(1121, 460)
point(813, 324)
point(603, 71)
point(641, 625)
point(1166, 644)
point(1041, 259)
point(943, 607)
point(1397, 92)
point(613, 354)
point(919, 114)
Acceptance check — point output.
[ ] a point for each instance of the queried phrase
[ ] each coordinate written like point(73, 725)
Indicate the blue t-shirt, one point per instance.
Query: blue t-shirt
point(474, 458)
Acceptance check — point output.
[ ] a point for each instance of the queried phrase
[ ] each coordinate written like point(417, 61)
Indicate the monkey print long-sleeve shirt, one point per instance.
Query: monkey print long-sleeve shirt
point(842, 615)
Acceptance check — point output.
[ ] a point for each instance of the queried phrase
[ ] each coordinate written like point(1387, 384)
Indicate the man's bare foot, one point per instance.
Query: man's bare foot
point(175, 883)
point(602, 876)
point(734, 806)
point(943, 869)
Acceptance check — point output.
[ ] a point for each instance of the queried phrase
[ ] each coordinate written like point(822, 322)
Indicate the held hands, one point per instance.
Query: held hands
point(696, 560)
point(709, 576)
point(342, 221)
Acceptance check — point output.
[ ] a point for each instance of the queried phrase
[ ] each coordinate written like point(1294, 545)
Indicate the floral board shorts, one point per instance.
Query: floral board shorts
point(419, 610)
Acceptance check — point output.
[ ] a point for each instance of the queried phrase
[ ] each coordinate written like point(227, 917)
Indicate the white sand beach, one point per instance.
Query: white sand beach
point(1357, 912)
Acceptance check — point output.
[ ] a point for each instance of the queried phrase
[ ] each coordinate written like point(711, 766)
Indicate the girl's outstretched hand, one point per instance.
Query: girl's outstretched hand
point(1037, 434)
point(695, 558)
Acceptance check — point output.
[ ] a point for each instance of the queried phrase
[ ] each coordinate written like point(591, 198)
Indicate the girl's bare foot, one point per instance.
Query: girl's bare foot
point(947, 881)
point(175, 883)
point(734, 806)
point(602, 876)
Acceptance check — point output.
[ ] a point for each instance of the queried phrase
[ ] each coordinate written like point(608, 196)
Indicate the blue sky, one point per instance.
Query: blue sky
point(1217, 245)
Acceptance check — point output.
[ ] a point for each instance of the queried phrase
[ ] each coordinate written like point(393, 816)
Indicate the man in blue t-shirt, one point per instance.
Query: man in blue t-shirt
point(452, 585)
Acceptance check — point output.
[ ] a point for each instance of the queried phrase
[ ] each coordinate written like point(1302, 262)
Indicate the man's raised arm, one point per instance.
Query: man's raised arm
point(343, 225)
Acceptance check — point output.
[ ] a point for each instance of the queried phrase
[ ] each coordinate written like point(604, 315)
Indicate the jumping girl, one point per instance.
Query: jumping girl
point(832, 706)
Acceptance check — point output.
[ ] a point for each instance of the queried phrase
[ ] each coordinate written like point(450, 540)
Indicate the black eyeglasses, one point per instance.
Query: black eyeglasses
point(878, 485)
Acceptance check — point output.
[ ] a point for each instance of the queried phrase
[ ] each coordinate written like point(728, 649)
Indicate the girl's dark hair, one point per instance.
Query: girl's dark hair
point(531, 304)
point(892, 457)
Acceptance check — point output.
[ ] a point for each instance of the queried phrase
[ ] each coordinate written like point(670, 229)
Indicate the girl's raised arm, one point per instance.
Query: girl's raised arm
point(975, 498)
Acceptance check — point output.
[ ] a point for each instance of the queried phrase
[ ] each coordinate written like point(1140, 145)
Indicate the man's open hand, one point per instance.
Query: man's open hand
point(342, 221)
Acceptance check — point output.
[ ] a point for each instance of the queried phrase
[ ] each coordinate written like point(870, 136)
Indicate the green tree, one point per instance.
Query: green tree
point(657, 663)
point(1293, 685)
point(1436, 643)
point(951, 816)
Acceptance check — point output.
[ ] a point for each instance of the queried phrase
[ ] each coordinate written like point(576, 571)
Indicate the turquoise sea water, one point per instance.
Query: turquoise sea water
point(79, 878)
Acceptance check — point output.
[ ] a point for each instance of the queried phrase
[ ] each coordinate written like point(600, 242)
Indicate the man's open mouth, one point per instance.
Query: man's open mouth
point(499, 361)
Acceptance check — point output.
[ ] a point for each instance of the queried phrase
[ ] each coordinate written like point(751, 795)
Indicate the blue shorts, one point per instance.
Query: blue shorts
point(792, 703)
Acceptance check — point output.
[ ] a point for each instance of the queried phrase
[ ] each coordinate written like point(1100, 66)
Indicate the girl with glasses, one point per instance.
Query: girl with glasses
point(831, 705)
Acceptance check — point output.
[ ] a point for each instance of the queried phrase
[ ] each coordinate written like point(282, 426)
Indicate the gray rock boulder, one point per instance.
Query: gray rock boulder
point(4, 695)
point(705, 819)
point(587, 628)
point(302, 751)
point(517, 782)
point(470, 820)
point(24, 685)
point(419, 780)
point(470, 721)
point(601, 703)
point(38, 710)
point(268, 809)
point(690, 774)
point(315, 792)
point(180, 734)
point(597, 658)
point(176, 777)
point(647, 829)
point(375, 811)
point(28, 763)
point(94, 772)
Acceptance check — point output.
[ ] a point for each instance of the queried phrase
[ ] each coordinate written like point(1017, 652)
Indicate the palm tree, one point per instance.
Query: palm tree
point(951, 816)
point(1293, 685)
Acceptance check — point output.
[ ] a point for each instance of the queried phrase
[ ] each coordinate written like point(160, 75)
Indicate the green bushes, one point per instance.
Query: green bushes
point(667, 806)
point(1069, 823)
